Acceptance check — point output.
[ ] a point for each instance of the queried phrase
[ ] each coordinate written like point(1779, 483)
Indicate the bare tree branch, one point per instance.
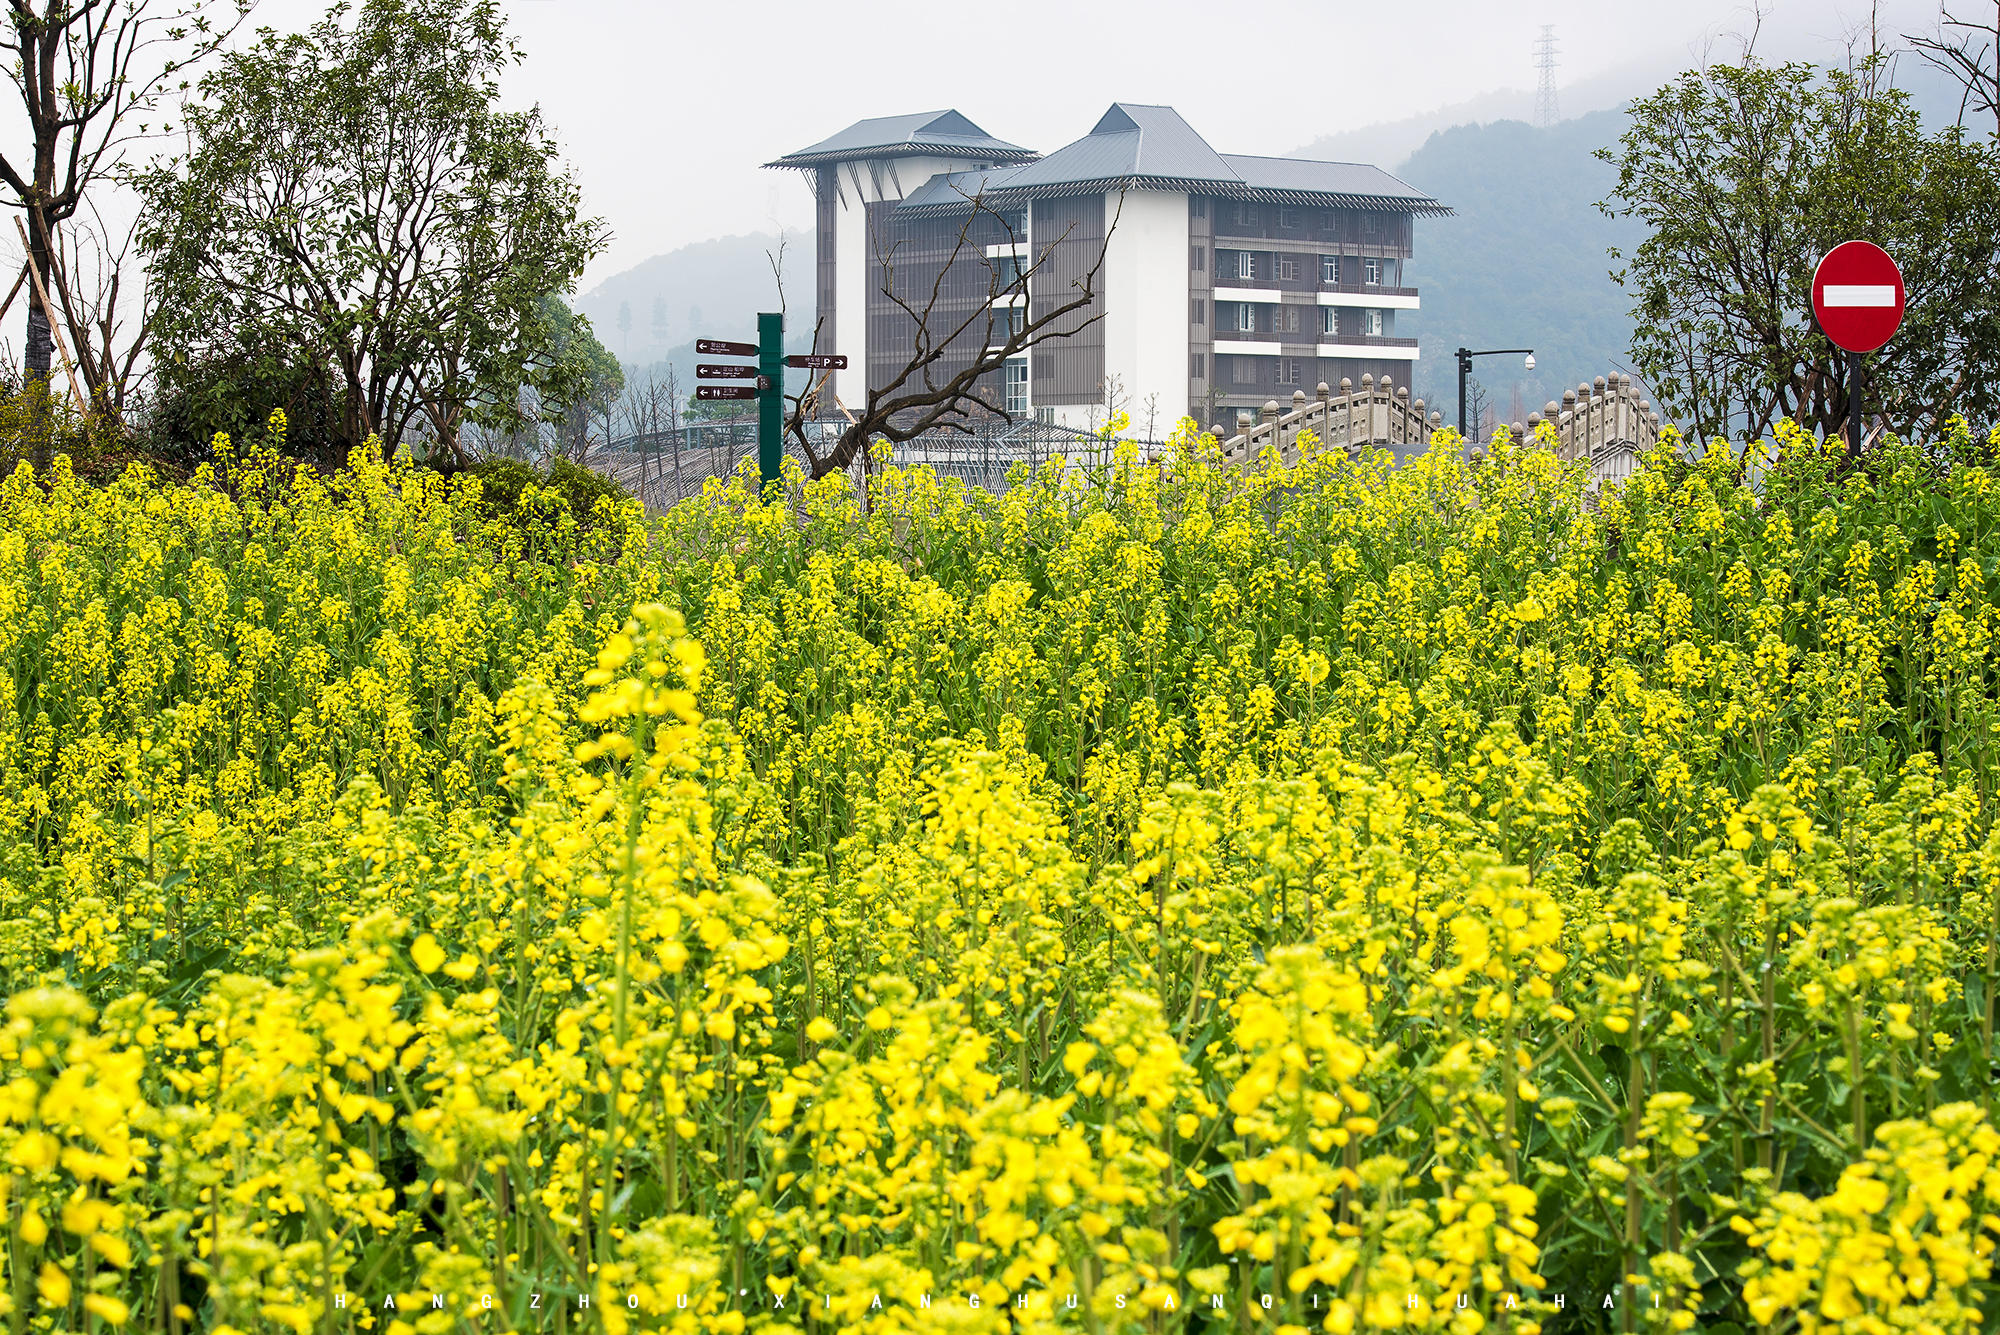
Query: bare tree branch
point(1968, 51)
point(939, 385)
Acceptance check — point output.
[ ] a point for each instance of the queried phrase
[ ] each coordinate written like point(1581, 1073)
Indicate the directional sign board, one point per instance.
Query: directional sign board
point(725, 371)
point(715, 347)
point(725, 391)
point(818, 361)
point(1857, 295)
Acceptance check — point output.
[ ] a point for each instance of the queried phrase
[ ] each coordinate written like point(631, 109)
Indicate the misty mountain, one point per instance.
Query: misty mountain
point(1522, 262)
point(1388, 143)
point(710, 289)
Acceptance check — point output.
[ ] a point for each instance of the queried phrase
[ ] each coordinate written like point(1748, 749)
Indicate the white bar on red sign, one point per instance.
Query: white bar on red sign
point(1860, 294)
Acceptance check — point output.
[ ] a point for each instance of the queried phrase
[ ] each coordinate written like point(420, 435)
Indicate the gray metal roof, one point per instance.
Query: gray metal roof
point(945, 132)
point(1323, 178)
point(1131, 142)
point(947, 190)
point(1147, 147)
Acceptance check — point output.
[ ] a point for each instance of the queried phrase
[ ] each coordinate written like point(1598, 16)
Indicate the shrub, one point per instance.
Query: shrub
point(235, 391)
point(507, 484)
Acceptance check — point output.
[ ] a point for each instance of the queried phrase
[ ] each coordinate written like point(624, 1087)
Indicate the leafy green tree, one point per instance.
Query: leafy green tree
point(355, 193)
point(1745, 177)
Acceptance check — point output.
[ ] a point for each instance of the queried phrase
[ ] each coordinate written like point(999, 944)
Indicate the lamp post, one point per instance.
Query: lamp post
point(1465, 356)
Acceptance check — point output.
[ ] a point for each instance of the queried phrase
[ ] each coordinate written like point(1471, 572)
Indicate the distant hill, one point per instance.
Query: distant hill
point(710, 289)
point(1522, 263)
point(1389, 142)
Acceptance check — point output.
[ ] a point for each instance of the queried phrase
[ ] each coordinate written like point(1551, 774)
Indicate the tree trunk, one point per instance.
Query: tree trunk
point(40, 359)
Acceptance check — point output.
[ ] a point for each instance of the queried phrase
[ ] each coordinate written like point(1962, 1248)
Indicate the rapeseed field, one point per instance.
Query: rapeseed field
point(1350, 897)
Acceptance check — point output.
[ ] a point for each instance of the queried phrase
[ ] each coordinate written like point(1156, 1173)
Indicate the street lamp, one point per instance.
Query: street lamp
point(1465, 356)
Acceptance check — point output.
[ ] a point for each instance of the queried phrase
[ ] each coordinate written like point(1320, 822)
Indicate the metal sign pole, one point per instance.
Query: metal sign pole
point(771, 398)
point(1853, 406)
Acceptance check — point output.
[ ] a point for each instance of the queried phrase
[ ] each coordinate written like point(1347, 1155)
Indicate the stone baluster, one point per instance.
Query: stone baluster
point(1399, 418)
point(1573, 407)
point(1367, 408)
point(1600, 422)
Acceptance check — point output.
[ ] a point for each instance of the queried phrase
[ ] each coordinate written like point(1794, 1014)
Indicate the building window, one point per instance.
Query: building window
point(1245, 215)
point(1288, 370)
point(1371, 271)
point(1007, 321)
point(1196, 364)
point(1200, 313)
point(1017, 384)
point(1288, 267)
point(1246, 317)
point(1371, 221)
point(1371, 323)
point(1329, 319)
point(1291, 325)
point(1243, 370)
point(1329, 268)
point(1246, 264)
point(1197, 206)
point(1006, 273)
point(1015, 221)
point(1288, 217)
point(1200, 258)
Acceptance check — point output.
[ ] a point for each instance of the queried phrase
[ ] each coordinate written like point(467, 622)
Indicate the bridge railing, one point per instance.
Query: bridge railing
point(1604, 422)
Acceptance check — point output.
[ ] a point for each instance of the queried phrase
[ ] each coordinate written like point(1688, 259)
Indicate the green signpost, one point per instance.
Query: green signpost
point(771, 395)
point(769, 391)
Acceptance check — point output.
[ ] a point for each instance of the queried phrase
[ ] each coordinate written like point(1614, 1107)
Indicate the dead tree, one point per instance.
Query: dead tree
point(88, 72)
point(940, 385)
point(1968, 50)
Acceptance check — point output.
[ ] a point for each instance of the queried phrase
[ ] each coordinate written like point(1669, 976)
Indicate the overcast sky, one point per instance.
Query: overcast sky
point(666, 108)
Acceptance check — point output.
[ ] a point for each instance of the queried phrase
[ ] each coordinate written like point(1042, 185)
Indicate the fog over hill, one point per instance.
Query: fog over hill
point(711, 289)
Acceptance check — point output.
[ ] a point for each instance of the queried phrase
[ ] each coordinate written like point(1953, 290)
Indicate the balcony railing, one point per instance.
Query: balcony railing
point(1223, 287)
point(1305, 337)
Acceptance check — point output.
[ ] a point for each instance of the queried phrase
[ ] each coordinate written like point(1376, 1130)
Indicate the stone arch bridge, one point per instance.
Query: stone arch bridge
point(1604, 422)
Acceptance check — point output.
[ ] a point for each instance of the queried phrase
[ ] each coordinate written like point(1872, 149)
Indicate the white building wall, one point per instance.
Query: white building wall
point(855, 270)
point(1146, 304)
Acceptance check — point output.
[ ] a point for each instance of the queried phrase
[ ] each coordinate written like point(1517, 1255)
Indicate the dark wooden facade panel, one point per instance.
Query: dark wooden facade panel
point(1203, 389)
point(1390, 234)
point(1250, 382)
point(936, 268)
point(1069, 232)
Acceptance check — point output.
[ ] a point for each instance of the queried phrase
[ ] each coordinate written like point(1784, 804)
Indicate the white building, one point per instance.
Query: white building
point(1219, 281)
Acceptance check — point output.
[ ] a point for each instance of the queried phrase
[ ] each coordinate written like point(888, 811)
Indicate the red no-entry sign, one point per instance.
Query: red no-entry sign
point(1857, 295)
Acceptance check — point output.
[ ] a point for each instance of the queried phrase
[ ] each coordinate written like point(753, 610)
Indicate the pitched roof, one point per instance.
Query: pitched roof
point(934, 132)
point(1134, 146)
point(1131, 142)
point(949, 189)
point(1354, 179)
